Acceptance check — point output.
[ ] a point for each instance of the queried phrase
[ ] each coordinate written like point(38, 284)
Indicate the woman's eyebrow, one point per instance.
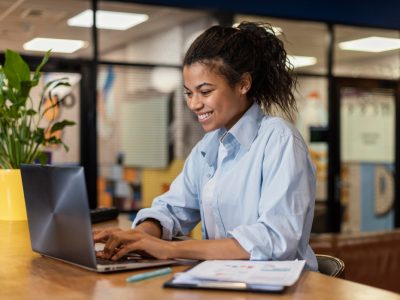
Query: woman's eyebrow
point(198, 87)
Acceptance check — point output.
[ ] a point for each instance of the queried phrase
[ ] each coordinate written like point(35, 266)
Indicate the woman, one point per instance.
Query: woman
point(250, 179)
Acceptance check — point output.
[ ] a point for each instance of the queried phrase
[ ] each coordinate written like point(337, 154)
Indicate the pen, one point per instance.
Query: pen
point(148, 275)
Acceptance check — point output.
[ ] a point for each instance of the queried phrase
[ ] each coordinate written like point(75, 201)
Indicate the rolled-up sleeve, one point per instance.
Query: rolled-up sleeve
point(286, 203)
point(178, 209)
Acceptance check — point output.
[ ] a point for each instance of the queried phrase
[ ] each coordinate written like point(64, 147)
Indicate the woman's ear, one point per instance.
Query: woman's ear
point(245, 83)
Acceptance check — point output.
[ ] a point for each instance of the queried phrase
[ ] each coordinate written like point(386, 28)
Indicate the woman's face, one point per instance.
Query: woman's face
point(212, 99)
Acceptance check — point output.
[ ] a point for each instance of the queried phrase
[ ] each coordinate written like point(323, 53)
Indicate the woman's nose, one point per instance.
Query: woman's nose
point(194, 103)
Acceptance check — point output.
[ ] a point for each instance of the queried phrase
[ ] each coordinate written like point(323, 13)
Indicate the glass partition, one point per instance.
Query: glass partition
point(366, 52)
point(159, 37)
point(367, 157)
point(312, 122)
point(32, 27)
point(305, 42)
point(144, 129)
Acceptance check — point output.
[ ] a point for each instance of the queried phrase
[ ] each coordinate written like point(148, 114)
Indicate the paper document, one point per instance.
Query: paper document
point(262, 273)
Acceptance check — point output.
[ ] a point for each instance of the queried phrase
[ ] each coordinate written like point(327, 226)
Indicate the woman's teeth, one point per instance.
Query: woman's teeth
point(203, 116)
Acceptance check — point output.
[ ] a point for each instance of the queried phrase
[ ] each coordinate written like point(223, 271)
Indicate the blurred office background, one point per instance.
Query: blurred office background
point(134, 130)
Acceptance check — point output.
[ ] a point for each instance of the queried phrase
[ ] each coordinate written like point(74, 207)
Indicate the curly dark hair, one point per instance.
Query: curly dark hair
point(249, 48)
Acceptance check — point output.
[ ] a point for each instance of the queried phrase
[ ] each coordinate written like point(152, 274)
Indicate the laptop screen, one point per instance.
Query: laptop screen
point(58, 212)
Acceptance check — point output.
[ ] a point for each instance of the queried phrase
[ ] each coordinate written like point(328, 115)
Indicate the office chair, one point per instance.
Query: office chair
point(330, 265)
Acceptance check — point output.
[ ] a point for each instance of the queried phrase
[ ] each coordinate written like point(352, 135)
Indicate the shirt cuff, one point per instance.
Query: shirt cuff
point(249, 239)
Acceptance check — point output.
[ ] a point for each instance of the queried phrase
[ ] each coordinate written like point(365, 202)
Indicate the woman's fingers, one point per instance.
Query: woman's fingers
point(120, 243)
point(124, 251)
point(111, 246)
point(118, 240)
point(103, 235)
point(100, 236)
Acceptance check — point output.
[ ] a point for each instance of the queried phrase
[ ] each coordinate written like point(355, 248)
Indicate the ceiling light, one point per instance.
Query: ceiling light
point(301, 61)
point(276, 30)
point(107, 19)
point(56, 45)
point(371, 44)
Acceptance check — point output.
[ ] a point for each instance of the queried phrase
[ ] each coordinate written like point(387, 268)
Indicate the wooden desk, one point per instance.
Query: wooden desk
point(27, 275)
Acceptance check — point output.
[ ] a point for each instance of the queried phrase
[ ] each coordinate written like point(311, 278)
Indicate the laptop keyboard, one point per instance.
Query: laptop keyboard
point(128, 259)
point(101, 261)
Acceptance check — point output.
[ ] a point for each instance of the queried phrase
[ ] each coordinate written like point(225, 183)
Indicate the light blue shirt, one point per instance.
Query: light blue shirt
point(265, 193)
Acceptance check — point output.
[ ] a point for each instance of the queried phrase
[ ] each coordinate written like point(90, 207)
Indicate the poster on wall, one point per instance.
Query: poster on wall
point(367, 126)
point(62, 103)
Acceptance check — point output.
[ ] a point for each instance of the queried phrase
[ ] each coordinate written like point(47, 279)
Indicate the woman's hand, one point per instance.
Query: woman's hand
point(119, 243)
point(102, 235)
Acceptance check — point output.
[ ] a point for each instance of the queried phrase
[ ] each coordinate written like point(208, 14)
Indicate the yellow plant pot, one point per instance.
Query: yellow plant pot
point(12, 202)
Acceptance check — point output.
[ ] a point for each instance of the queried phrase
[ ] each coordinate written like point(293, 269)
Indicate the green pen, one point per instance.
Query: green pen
point(148, 275)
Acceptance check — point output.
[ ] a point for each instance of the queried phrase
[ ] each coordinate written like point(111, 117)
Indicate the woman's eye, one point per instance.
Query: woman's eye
point(205, 93)
point(187, 94)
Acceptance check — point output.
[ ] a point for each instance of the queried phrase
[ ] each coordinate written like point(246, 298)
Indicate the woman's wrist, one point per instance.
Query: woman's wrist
point(174, 250)
point(150, 226)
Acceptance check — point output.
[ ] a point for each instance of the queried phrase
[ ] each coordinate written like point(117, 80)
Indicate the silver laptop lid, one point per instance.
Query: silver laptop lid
point(58, 213)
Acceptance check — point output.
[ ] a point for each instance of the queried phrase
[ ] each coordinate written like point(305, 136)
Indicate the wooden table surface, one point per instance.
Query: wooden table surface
point(26, 275)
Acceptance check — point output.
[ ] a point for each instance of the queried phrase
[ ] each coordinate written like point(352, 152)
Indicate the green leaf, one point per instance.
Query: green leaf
point(14, 111)
point(65, 147)
point(2, 98)
point(53, 140)
point(7, 114)
point(15, 69)
point(60, 125)
point(31, 112)
point(25, 90)
point(36, 75)
point(18, 150)
point(24, 133)
point(38, 136)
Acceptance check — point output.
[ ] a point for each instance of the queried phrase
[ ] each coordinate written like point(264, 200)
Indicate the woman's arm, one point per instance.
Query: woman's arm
point(286, 205)
point(209, 249)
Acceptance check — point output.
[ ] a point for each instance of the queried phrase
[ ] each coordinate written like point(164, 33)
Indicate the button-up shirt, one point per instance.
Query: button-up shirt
point(264, 194)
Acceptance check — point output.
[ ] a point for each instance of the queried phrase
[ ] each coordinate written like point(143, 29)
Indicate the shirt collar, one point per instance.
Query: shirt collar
point(246, 129)
point(244, 132)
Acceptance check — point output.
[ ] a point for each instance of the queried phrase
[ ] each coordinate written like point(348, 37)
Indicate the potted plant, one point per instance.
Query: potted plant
point(23, 135)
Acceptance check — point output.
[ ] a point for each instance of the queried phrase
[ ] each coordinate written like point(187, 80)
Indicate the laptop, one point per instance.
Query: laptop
point(59, 219)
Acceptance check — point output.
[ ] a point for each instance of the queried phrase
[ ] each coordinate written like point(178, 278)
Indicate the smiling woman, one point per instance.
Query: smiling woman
point(230, 76)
